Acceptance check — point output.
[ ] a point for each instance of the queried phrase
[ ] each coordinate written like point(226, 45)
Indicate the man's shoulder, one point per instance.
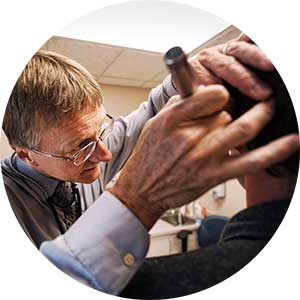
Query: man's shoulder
point(11, 177)
point(6, 164)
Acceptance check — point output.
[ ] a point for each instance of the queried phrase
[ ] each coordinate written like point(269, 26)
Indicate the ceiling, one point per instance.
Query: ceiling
point(115, 65)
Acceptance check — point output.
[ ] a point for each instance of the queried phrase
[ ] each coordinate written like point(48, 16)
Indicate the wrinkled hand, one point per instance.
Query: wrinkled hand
point(183, 152)
point(213, 66)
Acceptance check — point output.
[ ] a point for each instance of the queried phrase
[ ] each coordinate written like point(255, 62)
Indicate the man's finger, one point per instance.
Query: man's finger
point(263, 157)
point(237, 75)
point(205, 102)
point(199, 128)
point(245, 128)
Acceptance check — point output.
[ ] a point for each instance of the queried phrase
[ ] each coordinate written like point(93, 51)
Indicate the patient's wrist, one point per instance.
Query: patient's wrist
point(148, 213)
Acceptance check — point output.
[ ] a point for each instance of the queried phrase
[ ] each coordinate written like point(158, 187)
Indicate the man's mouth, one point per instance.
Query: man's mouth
point(90, 168)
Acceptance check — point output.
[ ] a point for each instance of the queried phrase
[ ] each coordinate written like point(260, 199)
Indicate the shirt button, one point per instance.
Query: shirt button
point(128, 259)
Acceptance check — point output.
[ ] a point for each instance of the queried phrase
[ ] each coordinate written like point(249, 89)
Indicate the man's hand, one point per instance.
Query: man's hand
point(227, 62)
point(183, 152)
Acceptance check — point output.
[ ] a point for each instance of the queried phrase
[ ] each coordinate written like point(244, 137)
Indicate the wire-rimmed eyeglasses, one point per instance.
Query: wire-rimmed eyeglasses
point(83, 154)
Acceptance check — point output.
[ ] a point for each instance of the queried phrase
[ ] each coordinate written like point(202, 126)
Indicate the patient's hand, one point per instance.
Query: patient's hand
point(228, 62)
point(183, 152)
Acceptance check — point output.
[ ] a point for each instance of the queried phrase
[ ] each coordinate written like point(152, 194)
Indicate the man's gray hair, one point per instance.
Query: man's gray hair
point(50, 89)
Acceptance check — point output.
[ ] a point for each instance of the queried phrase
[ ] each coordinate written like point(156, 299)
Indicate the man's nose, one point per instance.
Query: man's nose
point(101, 153)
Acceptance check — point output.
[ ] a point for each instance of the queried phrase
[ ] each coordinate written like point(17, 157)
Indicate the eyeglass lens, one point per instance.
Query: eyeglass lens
point(85, 153)
point(88, 150)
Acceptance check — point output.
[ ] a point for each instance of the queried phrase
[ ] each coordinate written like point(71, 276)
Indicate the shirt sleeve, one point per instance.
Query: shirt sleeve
point(103, 248)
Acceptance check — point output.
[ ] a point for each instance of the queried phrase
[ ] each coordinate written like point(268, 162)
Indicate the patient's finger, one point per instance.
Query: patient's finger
point(245, 38)
point(249, 54)
point(236, 74)
point(263, 157)
point(201, 74)
point(246, 127)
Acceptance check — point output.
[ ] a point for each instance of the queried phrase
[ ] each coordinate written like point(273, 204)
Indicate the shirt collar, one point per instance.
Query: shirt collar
point(48, 183)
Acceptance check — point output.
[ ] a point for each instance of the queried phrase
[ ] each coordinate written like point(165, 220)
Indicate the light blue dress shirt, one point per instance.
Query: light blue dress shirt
point(104, 248)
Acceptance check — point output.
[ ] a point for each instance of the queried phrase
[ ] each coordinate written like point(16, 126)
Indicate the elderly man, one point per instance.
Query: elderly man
point(57, 125)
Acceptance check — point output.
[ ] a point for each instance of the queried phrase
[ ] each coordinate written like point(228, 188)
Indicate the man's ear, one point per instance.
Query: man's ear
point(25, 155)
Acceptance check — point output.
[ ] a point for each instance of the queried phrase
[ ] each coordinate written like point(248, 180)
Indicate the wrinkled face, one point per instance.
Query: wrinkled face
point(64, 141)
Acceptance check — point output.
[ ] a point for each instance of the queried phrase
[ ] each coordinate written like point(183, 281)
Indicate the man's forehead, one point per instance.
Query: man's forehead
point(75, 128)
point(87, 117)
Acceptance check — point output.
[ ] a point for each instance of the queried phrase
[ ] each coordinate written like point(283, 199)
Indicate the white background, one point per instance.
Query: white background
point(147, 25)
point(25, 26)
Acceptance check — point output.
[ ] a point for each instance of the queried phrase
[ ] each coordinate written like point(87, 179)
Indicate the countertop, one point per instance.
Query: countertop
point(162, 228)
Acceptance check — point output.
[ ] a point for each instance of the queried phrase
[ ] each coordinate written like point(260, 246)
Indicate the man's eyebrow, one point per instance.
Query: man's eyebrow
point(79, 143)
point(82, 143)
point(73, 146)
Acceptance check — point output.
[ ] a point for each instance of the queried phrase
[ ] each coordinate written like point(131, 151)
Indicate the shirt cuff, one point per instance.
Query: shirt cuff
point(107, 242)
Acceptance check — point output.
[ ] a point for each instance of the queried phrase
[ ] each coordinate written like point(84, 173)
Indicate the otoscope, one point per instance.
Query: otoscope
point(180, 69)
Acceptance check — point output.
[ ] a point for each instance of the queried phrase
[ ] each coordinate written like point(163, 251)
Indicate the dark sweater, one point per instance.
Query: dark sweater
point(242, 239)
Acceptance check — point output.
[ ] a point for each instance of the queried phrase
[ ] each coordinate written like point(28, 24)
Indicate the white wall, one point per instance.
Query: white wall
point(5, 149)
point(234, 201)
point(121, 100)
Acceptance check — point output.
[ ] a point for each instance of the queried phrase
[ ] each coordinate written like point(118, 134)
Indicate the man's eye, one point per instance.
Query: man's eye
point(80, 146)
point(83, 144)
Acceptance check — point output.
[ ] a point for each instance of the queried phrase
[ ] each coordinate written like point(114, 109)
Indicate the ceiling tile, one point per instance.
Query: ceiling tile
point(160, 76)
point(115, 65)
point(136, 64)
point(150, 84)
point(119, 81)
point(95, 57)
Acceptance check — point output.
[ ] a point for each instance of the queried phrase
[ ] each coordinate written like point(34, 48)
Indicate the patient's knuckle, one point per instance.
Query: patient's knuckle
point(204, 53)
point(226, 63)
point(234, 47)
